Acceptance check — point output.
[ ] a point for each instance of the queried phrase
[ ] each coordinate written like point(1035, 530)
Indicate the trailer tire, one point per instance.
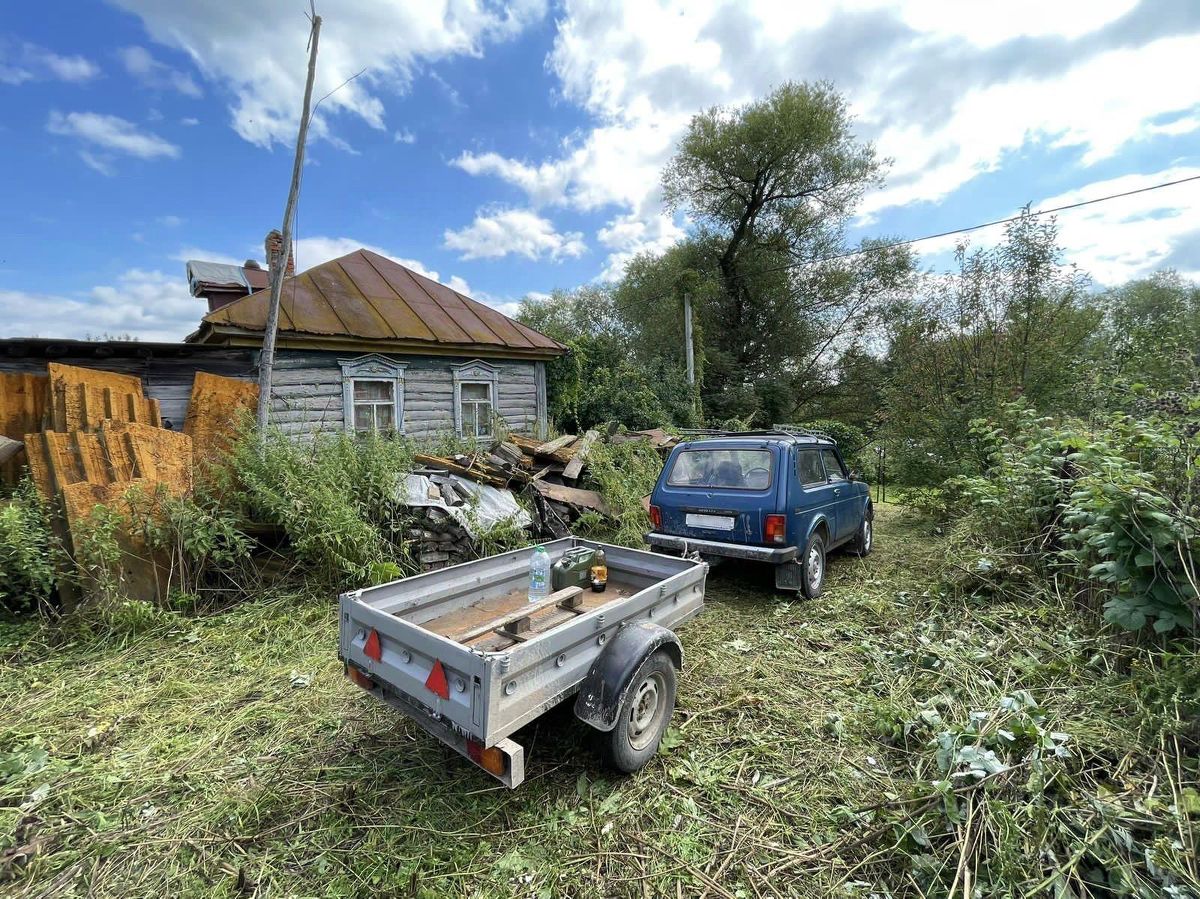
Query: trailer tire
point(645, 713)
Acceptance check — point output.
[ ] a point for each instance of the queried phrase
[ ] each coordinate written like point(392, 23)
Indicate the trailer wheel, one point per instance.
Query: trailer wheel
point(645, 713)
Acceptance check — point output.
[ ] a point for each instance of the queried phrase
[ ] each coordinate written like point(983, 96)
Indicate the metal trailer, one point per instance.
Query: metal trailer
point(463, 653)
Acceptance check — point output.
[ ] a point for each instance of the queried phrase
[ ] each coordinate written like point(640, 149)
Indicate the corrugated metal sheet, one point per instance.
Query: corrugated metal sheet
point(368, 296)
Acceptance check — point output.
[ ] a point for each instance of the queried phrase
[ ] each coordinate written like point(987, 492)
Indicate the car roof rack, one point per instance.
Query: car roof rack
point(773, 431)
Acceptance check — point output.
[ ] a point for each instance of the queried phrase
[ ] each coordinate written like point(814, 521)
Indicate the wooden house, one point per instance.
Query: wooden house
point(366, 344)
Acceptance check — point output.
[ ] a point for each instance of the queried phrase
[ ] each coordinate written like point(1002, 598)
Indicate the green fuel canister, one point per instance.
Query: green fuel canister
point(574, 568)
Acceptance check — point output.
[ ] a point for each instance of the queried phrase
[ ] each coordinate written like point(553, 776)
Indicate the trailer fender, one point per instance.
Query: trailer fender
point(603, 689)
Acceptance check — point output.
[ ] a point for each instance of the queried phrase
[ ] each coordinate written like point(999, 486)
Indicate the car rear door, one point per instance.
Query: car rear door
point(841, 495)
point(816, 495)
point(697, 502)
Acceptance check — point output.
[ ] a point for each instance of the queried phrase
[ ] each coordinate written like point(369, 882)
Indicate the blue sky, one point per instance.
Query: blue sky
point(515, 149)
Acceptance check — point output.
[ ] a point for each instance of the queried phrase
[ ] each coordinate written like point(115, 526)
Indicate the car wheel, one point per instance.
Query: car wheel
point(864, 541)
point(645, 713)
point(813, 565)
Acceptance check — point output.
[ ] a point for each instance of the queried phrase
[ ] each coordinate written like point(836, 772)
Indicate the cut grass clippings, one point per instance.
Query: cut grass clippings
point(228, 756)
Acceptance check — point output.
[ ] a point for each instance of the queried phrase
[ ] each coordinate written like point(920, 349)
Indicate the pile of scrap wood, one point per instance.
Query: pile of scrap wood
point(88, 436)
point(548, 471)
point(451, 512)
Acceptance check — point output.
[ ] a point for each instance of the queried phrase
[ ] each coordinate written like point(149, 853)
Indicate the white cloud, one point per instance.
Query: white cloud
point(142, 65)
point(189, 121)
point(258, 51)
point(499, 232)
point(150, 305)
point(187, 254)
point(949, 90)
point(404, 136)
point(29, 62)
point(97, 163)
point(110, 133)
point(1133, 236)
point(170, 221)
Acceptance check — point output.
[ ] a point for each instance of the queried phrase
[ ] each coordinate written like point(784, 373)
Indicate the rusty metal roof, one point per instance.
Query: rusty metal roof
point(369, 297)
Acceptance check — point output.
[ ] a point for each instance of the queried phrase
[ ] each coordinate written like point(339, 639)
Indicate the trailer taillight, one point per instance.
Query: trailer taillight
point(656, 517)
point(775, 529)
point(492, 759)
point(359, 678)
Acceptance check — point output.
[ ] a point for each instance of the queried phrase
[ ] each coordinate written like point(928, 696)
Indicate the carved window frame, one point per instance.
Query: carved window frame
point(475, 372)
point(373, 367)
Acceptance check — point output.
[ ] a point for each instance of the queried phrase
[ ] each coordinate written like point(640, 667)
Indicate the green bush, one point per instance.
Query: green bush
point(334, 496)
point(1080, 505)
point(30, 554)
point(199, 538)
point(622, 473)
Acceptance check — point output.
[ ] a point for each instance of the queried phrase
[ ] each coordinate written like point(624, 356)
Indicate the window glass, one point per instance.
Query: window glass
point(833, 465)
point(373, 390)
point(808, 467)
point(364, 419)
point(736, 469)
point(374, 405)
point(475, 408)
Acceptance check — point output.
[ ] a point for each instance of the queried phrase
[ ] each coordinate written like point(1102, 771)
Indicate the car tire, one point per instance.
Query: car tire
point(645, 713)
point(812, 563)
point(864, 540)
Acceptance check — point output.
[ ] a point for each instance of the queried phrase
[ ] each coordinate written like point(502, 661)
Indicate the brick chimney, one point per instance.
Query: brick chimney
point(274, 248)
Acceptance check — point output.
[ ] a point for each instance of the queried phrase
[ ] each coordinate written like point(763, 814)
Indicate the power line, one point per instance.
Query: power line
point(1004, 221)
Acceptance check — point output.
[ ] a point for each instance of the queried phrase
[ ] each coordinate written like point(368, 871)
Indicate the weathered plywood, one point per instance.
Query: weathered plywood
point(84, 398)
point(22, 407)
point(215, 411)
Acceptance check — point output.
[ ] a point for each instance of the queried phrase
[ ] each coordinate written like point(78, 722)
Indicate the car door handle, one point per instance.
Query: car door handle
point(837, 491)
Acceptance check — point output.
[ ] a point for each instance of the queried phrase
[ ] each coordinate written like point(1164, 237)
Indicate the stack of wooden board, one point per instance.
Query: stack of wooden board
point(91, 435)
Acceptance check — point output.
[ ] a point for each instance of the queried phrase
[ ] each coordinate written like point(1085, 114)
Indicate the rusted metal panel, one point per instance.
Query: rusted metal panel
point(355, 314)
point(456, 308)
point(438, 320)
point(368, 296)
point(402, 321)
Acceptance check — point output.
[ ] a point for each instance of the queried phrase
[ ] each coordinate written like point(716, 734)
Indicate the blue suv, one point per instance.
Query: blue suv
point(784, 496)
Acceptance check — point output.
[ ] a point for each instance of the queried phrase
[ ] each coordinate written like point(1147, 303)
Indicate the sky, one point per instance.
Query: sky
point(512, 149)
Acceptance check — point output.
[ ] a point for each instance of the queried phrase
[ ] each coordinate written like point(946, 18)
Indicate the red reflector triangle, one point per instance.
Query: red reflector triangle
point(372, 649)
point(437, 682)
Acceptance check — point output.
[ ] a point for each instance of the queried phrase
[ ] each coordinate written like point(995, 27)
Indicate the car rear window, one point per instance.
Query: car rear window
point(808, 467)
point(737, 469)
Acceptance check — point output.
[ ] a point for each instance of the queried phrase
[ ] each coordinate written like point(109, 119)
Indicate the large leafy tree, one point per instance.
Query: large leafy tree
point(1014, 321)
point(1150, 335)
point(770, 187)
point(603, 377)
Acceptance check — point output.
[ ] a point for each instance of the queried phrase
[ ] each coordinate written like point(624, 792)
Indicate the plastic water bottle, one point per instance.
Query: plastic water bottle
point(539, 575)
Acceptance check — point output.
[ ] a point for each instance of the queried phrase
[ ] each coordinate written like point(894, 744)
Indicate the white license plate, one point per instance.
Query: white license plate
point(712, 522)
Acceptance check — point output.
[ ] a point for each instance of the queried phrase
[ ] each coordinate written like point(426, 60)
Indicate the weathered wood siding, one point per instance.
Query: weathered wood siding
point(306, 393)
point(166, 378)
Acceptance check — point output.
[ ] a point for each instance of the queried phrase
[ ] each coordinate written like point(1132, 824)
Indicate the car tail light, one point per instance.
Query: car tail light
point(656, 517)
point(359, 678)
point(492, 759)
point(775, 529)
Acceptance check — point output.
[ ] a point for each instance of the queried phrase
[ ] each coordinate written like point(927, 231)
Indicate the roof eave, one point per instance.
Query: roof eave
point(210, 332)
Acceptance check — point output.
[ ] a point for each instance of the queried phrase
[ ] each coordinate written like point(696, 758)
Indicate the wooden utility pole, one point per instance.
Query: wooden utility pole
point(266, 362)
point(687, 338)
